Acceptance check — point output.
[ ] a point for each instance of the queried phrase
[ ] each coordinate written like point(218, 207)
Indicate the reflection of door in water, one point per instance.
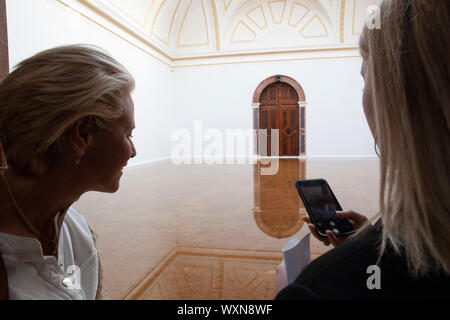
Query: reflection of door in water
point(277, 207)
point(279, 110)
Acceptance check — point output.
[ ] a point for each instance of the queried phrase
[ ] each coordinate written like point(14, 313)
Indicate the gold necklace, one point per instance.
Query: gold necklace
point(53, 243)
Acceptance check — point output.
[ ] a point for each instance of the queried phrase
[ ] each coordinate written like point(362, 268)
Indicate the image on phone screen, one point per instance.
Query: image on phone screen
point(321, 205)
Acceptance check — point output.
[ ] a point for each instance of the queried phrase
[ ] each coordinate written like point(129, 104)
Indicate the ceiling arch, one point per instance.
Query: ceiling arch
point(278, 24)
point(186, 29)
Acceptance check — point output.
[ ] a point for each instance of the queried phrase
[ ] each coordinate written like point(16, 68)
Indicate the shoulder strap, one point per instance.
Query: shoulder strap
point(4, 291)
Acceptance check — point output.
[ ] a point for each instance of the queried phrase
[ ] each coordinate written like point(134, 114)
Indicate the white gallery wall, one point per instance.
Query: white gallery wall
point(220, 96)
point(36, 25)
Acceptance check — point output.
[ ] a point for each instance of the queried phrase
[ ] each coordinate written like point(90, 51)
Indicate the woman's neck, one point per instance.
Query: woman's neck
point(42, 197)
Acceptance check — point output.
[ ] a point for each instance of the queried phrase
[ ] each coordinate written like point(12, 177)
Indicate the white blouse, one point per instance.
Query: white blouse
point(33, 276)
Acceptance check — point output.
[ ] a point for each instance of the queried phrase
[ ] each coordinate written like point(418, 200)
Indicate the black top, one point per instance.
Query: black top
point(342, 273)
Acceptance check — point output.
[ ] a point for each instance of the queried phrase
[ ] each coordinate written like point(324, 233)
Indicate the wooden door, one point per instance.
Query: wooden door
point(279, 110)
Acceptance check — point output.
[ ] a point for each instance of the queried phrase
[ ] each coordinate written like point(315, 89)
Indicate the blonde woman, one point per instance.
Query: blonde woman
point(66, 118)
point(406, 254)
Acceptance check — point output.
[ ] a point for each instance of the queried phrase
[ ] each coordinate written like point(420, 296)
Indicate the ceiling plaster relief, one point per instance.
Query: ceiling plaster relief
point(280, 25)
point(180, 32)
point(258, 17)
point(194, 29)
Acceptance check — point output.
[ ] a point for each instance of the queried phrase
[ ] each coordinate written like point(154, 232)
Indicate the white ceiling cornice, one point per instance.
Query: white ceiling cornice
point(186, 31)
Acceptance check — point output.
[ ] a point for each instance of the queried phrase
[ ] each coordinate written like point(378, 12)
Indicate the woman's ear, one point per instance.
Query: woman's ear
point(81, 136)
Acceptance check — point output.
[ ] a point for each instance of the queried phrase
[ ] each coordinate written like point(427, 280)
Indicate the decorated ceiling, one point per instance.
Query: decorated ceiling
point(183, 29)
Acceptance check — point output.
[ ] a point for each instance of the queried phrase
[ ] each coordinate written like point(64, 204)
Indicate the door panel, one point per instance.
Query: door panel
point(279, 110)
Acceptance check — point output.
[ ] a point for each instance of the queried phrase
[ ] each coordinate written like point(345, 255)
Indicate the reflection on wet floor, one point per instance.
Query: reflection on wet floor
point(277, 208)
point(211, 231)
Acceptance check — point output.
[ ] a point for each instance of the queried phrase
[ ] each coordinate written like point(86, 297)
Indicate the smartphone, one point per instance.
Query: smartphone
point(321, 206)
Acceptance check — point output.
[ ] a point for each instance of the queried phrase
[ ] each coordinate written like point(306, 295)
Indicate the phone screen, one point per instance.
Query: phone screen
point(321, 205)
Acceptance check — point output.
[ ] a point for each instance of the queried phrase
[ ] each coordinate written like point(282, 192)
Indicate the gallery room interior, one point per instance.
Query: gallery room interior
point(197, 216)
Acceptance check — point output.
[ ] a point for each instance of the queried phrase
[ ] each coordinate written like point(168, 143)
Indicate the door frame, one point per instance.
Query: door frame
point(301, 103)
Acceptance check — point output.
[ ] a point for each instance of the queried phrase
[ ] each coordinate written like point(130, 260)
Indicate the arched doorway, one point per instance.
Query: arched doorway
point(279, 103)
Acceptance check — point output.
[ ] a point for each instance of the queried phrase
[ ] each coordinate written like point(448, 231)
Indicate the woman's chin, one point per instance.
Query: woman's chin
point(113, 186)
point(110, 186)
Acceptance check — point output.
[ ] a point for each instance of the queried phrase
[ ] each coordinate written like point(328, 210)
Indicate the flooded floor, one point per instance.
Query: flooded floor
point(212, 231)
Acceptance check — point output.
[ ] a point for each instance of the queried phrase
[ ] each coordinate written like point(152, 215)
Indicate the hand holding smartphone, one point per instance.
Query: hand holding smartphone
point(321, 206)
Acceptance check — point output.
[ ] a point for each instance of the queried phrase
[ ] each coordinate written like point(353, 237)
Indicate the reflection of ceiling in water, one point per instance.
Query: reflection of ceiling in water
point(202, 273)
point(193, 29)
point(277, 208)
point(195, 273)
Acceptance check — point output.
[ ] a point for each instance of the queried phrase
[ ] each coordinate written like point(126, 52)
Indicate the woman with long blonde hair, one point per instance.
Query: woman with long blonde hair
point(406, 254)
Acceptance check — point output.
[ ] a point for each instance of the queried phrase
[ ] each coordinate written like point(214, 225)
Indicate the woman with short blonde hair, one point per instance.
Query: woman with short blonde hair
point(51, 91)
point(406, 101)
point(66, 118)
